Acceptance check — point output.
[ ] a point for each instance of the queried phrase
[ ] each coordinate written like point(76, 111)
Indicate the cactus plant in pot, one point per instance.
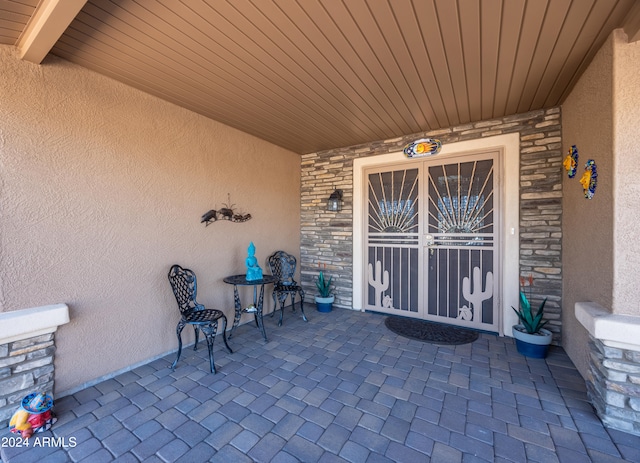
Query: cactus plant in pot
point(324, 299)
point(532, 339)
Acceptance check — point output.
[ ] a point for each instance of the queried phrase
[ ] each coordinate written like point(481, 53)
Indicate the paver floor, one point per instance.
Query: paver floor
point(340, 388)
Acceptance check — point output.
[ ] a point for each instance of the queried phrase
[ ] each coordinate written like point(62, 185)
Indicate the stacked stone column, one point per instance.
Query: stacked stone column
point(26, 366)
point(614, 385)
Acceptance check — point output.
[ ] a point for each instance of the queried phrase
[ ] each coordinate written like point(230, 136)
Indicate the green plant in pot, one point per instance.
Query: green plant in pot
point(324, 299)
point(532, 339)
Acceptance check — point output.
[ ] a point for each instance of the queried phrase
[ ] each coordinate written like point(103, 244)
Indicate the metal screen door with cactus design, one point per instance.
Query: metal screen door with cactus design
point(430, 236)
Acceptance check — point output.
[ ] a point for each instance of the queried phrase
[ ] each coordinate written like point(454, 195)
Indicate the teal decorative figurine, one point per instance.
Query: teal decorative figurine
point(254, 272)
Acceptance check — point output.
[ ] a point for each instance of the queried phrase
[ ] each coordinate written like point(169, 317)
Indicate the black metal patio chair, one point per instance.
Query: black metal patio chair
point(184, 284)
point(283, 267)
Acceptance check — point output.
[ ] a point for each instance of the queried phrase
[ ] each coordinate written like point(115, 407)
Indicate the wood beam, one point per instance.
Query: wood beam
point(48, 23)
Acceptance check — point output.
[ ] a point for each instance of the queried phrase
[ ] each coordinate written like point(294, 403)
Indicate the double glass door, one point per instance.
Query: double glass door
point(431, 240)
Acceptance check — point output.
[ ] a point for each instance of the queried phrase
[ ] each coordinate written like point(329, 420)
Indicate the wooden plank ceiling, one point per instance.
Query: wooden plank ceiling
point(311, 75)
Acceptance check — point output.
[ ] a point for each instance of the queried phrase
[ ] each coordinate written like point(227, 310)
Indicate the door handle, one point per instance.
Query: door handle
point(430, 242)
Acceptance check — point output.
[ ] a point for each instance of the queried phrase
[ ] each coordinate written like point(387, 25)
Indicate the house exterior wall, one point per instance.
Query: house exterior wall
point(587, 122)
point(327, 241)
point(102, 189)
point(601, 246)
point(626, 172)
point(602, 249)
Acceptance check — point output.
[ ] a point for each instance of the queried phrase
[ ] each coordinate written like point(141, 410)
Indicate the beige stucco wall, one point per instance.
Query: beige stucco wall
point(587, 122)
point(601, 241)
point(626, 146)
point(102, 188)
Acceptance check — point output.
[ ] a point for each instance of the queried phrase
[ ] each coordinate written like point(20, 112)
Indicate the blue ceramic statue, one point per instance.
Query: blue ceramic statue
point(254, 272)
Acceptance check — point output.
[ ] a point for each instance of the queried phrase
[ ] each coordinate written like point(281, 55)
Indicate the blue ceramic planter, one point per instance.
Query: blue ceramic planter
point(324, 304)
point(532, 350)
point(532, 345)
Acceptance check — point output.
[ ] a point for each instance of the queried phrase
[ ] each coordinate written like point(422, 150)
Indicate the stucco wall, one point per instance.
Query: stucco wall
point(587, 122)
point(601, 247)
point(626, 147)
point(102, 189)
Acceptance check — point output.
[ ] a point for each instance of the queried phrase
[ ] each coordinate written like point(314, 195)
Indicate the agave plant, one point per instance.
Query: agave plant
point(532, 323)
point(324, 286)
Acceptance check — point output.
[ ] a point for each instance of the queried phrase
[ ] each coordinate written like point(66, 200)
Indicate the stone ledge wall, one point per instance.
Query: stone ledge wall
point(327, 237)
point(614, 385)
point(26, 366)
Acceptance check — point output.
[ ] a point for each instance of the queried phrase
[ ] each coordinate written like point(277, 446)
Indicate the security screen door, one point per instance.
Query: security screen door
point(431, 239)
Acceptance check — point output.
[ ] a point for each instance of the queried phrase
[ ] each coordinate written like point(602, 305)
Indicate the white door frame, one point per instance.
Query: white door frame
point(509, 185)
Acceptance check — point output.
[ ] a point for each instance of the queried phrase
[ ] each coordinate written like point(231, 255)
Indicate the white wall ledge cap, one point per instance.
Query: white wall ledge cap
point(615, 330)
point(29, 323)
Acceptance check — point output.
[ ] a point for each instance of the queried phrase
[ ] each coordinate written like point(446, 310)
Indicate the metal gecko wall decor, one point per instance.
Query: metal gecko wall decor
point(225, 213)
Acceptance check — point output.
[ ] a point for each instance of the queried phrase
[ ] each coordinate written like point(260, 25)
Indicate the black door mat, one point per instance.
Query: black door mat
point(436, 333)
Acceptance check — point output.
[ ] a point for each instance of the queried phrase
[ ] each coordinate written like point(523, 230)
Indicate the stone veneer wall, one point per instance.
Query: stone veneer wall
point(614, 385)
point(26, 366)
point(326, 237)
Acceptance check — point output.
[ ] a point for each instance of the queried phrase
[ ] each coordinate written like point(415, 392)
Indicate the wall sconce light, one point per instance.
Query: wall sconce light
point(334, 203)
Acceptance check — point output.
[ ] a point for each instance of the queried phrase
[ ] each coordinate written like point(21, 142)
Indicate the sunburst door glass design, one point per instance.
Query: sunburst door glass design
point(461, 252)
point(392, 241)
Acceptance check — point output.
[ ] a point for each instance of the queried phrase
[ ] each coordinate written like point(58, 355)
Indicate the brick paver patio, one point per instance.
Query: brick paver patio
point(340, 388)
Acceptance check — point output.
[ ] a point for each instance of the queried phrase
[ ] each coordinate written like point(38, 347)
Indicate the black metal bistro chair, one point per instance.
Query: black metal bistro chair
point(184, 284)
point(283, 267)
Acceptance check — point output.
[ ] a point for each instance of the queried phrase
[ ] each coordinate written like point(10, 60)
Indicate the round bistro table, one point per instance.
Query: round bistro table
point(256, 307)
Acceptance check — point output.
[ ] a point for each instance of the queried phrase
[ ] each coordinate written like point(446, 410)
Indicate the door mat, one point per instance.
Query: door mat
point(436, 333)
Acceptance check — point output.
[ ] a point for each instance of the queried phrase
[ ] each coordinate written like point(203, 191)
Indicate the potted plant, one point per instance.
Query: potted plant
point(324, 299)
point(532, 339)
